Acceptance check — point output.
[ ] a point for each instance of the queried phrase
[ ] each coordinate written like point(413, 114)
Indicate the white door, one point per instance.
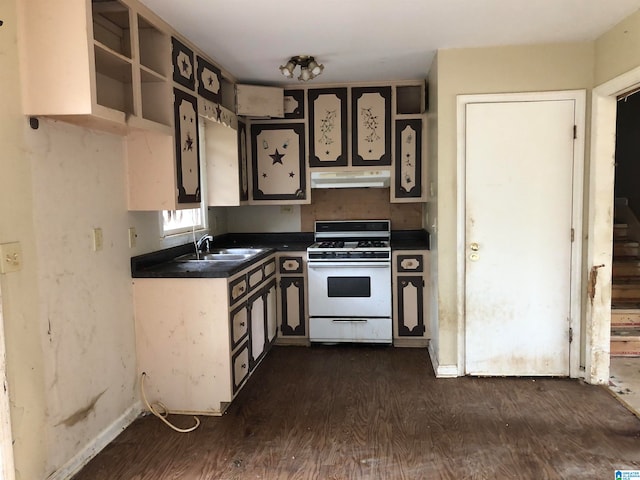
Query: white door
point(518, 208)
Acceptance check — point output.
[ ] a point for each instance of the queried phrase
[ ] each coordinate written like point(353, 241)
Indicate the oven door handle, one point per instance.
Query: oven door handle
point(349, 264)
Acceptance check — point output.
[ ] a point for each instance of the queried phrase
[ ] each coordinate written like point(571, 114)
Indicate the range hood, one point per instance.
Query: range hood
point(351, 179)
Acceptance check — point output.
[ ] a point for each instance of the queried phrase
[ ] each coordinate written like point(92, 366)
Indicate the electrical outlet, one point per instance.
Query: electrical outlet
point(10, 257)
point(97, 239)
point(132, 237)
point(286, 208)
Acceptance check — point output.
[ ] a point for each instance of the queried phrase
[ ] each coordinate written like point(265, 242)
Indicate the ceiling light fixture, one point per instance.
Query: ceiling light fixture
point(309, 68)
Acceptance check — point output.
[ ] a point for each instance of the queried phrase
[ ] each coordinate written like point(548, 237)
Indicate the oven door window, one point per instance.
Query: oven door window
point(349, 287)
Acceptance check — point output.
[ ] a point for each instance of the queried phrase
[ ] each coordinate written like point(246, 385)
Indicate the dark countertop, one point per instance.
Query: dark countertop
point(159, 264)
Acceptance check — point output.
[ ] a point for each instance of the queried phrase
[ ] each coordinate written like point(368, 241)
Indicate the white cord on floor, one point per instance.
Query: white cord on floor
point(160, 411)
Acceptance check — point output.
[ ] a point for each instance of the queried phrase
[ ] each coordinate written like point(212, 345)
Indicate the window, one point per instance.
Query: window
point(182, 221)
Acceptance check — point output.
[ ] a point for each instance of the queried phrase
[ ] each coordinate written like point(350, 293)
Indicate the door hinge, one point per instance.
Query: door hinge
point(573, 235)
point(570, 335)
point(575, 132)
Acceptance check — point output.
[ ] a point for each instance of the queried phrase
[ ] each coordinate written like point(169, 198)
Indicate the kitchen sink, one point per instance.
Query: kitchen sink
point(222, 255)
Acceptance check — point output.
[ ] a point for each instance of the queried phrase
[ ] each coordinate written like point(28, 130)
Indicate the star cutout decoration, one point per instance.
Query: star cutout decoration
point(218, 112)
point(188, 144)
point(264, 175)
point(277, 157)
point(291, 174)
point(185, 66)
point(210, 80)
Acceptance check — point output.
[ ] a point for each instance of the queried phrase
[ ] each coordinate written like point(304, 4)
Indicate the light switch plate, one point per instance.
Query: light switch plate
point(132, 237)
point(10, 257)
point(97, 239)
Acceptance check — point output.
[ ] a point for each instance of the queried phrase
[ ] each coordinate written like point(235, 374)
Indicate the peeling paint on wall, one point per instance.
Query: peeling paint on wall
point(593, 280)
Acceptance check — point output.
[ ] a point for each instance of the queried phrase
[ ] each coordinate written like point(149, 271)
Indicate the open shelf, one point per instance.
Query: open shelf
point(409, 99)
point(114, 88)
point(155, 48)
point(112, 25)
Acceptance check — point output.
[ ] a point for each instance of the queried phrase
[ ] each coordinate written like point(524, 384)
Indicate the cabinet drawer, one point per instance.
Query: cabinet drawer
point(410, 263)
point(237, 289)
point(255, 277)
point(269, 268)
point(239, 325)
point(240, 366)
point(291, 264)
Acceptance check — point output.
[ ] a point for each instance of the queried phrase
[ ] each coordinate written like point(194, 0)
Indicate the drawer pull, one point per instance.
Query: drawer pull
point(242, 324)
point(243, 366)
point(349, 320)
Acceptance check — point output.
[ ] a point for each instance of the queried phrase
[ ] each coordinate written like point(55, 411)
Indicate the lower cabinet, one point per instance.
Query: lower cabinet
point(410, 297)
point(292, 301)
point(199, 339)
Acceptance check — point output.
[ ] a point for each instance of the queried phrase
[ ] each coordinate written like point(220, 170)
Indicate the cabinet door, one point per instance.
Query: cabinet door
point(408, 161)
point(410, 292)
point(209, 81)
point(293, 306)
point(187, 152)
point(271, 312)
point(371, 126)
point(258, 337)
point(278, 161)
point(294, 104)
point(182, 59)
point(328, 127)
point(242, 159)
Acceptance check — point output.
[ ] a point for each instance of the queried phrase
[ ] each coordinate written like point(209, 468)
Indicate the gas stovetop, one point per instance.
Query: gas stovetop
point(351, 239)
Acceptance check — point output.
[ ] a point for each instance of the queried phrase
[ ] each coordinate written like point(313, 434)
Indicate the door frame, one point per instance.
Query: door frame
point(599, 246)
point(579, 96)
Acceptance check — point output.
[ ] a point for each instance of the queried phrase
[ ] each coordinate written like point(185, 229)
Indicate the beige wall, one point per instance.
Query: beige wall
point(25, 367)
point(84, 298)
point(68, 314)
point(486, 70)
point(618, 50)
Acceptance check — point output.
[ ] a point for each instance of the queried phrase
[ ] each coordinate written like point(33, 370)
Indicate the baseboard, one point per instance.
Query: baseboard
point(441, 371)
point(94, 447)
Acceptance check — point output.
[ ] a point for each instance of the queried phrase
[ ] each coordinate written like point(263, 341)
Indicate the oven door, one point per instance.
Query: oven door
point(350, 289)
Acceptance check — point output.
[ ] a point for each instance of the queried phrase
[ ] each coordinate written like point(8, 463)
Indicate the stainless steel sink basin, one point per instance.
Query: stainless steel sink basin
point(221, 255)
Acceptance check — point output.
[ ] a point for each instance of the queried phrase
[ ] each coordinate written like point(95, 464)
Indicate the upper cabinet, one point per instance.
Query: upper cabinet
point(104, 64)
point(279, 163)
point(328, 127)
point(371, 126)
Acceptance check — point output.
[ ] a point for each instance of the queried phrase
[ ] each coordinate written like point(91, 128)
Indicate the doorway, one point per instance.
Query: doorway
point(522, 158)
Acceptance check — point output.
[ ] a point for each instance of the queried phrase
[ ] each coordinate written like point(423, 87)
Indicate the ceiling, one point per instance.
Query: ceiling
point(374, 40)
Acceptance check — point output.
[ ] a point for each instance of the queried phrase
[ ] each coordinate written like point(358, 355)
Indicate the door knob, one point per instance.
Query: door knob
point(474, 247)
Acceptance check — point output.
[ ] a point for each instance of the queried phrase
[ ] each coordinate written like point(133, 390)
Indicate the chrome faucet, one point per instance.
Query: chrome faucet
point(205, 239)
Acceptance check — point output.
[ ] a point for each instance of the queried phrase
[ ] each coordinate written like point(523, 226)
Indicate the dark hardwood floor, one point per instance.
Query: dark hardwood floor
point(377, 412)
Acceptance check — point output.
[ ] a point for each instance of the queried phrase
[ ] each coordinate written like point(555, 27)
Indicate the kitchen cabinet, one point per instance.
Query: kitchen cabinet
point(371, 126)
point(278, 161)
point(225, 155)
point(410, 272)
point(199, 339)
point(259, 101)
point(101, 64)
point(292, 301)
point(408, 165)
point(186, 144)
point(327, 127)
